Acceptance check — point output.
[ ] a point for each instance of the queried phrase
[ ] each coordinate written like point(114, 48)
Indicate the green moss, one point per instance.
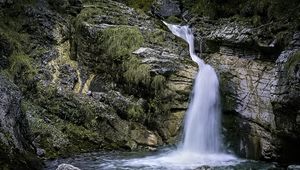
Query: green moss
point(92, 9)
point(173, 19)
point(120, 41)
point(201, 7)
point(16, 38)
point(137, 73)
point(156, 36)
point(158, 82)
point(22, 71)
point(21, 66)
point(66, 106)
point(135, 112)
point(57, 136)
point(11, 25)
point(144, 5)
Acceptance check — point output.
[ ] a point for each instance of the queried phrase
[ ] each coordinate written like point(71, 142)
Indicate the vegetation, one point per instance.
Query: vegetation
point(158, 83)
point(120, 42)
point(21, 71)
point(21, 67)
point(264, 10)
point(144, 5)
point(156, 36)
point(136, 112)
point(65, 106)
point(137, 73)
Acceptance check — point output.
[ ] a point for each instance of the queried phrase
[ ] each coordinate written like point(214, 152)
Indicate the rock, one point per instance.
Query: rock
point(293, 167)
point(6, 50)
point(166, 8)
point(66, 167)
point(256, 95)
point(40, 152)
point(156, 53)
point(16, 150)
point(144, 137)
point(161, 62)
point(5, 3)
point(242, 39)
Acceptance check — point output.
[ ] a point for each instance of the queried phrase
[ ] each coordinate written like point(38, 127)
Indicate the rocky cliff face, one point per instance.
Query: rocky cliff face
point(95, 75)
point(102, 75)
point(260, 88)
point(257, 58)
point(16, 151)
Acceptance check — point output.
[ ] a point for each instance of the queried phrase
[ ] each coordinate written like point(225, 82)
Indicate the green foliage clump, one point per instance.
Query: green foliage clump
point(137, 73)
point(201, 7)
point(120, 41)
point(135, 112)
point(156, 37)
point(158, 82)
point(85, 15)
point(58, 137)
point(144, 5)
point(21, 67)
point(94, 8)
point(21, 71)
point(65, 106)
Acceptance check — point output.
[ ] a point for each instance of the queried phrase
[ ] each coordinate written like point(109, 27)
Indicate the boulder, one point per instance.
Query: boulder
point(293, 167)
point(16, 149)
point(66, 167)
point(166, 8)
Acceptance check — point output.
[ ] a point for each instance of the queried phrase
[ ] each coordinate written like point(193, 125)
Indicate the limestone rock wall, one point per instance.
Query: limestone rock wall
point(260, 89)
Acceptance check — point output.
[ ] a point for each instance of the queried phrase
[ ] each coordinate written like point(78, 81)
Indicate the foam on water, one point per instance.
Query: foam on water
point(182, 160)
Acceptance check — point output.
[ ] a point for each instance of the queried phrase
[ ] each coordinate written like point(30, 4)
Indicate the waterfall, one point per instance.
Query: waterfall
point(201, 143)
point(202, 122)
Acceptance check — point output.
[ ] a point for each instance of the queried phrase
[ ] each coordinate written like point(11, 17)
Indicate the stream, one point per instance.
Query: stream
point(148, 161)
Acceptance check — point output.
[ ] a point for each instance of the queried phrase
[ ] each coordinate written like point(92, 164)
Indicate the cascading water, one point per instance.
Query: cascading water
point(202, 143)
point(202, 123)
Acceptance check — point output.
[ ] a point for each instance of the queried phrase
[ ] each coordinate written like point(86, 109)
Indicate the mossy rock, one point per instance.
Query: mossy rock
point(137, 73)
point(64, 105)
point(58, 128)
point(136, 113)
point(143, 5)
point(105, 51)
point(93, 10)
point(157, 36)
point(120, 41)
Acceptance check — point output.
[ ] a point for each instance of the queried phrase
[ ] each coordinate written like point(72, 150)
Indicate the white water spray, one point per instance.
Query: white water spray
point(202, 122)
